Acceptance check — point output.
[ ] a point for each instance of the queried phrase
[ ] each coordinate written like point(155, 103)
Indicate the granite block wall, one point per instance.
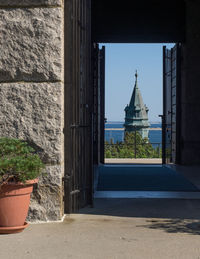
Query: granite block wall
point(32, 91)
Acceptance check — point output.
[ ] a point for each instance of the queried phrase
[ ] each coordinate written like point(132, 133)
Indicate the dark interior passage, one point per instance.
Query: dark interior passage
point(107, 21)
point(142, 178)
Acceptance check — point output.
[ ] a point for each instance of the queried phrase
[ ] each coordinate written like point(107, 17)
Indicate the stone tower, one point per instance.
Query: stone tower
point(136, 113)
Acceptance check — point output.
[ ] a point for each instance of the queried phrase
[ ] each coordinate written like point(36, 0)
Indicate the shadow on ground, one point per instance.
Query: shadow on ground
point(175, 226)
point(169, 215)
point(146, 208)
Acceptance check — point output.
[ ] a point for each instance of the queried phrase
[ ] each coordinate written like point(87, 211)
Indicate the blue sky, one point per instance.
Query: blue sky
point(121, 62)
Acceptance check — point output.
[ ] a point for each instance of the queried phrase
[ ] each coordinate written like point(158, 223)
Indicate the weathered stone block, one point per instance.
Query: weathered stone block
point(34, 112)
point(31, 44)
point(46, 201)
point(30, 2)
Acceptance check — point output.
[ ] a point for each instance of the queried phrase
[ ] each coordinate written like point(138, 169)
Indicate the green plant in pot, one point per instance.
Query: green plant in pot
point(20, 167)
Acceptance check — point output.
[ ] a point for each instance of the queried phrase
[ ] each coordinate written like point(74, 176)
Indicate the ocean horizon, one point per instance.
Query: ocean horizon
point(119, 124)
point(155, 136)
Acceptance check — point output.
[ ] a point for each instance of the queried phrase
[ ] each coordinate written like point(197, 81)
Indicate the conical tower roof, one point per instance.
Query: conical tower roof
point(136, 103)
point(136, 111)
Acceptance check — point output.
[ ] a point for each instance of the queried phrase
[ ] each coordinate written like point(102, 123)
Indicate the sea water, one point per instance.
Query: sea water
point(155, 136)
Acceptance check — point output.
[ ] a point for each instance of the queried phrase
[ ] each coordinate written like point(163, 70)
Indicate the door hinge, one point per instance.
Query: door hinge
point(74, 192)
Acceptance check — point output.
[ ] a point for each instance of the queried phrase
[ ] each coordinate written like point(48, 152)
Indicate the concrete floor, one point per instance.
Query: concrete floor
point(114, 229)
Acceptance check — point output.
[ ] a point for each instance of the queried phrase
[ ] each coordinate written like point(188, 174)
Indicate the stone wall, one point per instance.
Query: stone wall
point(31, 91)
point(190, 99)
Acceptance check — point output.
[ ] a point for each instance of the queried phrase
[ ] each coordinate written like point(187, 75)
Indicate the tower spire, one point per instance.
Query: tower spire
point(136, 77)
point(136, 113)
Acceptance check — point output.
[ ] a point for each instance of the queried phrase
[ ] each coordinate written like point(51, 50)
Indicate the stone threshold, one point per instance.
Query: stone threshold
point(133, 161)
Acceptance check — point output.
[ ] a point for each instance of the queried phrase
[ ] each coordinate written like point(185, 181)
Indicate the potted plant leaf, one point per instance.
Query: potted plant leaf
point(20, 167)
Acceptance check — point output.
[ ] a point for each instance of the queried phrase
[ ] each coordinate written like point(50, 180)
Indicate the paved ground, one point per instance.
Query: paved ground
point(115, 229)
point(133, 160)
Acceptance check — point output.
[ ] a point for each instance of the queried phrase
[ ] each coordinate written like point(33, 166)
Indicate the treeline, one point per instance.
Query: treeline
point(133, 146)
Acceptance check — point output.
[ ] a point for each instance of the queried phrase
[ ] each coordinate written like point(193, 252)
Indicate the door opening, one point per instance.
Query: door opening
point(133, 133)
point(84, 82)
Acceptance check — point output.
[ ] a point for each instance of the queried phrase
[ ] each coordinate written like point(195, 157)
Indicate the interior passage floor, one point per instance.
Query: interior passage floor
point(142, 178)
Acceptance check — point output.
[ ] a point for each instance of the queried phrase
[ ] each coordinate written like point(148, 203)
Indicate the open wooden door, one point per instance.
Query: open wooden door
point(171, 107)
point(78, 132)
point(99, 102)
point(102, 103)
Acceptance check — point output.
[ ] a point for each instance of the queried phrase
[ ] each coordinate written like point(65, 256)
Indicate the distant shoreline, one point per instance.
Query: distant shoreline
point(123, 129)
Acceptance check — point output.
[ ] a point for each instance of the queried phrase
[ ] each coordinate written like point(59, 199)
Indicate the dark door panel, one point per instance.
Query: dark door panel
point(171, 97)
point(99, 102)
point(78, 106)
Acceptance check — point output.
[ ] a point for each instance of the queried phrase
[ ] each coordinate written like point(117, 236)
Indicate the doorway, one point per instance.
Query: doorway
point(133, 103)
point(85, 26)
point(135, 133)
point(121, 177)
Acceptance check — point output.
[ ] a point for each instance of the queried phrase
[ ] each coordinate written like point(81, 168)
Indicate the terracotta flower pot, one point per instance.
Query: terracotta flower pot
point(14, 205)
